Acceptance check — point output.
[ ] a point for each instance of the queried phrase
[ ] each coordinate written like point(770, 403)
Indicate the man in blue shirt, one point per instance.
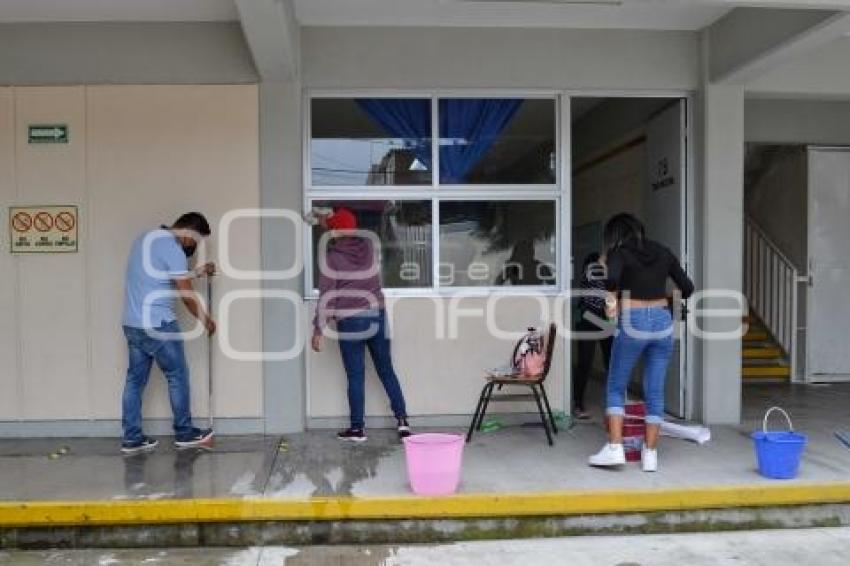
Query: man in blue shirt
point(158, 272)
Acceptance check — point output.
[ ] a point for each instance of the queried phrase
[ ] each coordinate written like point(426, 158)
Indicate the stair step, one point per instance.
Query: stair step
point(761, 352)
point(765, 380)
point(765, 362)
point(756, 335)
point(774, 371)
point(762, 358)
point(761, 344)
point(762, 364)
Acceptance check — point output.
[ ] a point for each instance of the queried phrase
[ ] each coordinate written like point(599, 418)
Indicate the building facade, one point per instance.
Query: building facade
point(254, 110)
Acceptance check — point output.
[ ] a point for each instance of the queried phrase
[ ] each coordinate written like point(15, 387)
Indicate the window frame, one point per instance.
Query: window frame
point(436, 193)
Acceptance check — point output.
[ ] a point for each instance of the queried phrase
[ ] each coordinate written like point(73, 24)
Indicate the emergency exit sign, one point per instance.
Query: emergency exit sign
point(48, 133)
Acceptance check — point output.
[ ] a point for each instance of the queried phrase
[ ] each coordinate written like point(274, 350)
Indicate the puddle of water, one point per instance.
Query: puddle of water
point(332, 468)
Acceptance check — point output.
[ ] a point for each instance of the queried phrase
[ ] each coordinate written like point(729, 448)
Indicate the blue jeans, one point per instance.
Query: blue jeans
point(171, 359)
point(646, 332)
point(356, 334)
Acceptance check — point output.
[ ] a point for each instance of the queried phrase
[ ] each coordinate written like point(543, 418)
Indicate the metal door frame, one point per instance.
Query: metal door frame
point(687, 221)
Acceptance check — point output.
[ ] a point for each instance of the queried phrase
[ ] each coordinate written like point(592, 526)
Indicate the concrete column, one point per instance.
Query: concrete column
point(722, 216)
point(281, 187)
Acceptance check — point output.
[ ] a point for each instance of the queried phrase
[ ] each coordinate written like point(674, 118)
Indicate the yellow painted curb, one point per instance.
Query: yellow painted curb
point(79, 513)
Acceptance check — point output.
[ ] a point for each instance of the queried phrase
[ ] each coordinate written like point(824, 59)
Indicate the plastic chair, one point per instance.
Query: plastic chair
point(538, 392)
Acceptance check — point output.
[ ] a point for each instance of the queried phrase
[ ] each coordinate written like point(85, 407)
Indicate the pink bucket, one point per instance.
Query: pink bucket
point(434, 462)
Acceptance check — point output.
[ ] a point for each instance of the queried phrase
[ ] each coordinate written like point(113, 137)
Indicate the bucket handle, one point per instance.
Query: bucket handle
point(781, 410)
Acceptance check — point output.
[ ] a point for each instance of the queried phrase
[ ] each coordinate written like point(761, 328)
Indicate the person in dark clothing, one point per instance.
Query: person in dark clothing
point(638, 270)
point(593, 331)
point(522, 268)
point(350, 294)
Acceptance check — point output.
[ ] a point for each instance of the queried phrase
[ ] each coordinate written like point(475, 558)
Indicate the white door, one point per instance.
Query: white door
point(828, 310)
point(666, 220)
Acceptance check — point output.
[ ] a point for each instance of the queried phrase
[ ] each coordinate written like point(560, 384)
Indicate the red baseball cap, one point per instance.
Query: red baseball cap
point(342, 219)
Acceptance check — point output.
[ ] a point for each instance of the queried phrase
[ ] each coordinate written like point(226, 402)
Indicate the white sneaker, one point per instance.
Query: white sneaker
point(610, 455)
point(649, 459)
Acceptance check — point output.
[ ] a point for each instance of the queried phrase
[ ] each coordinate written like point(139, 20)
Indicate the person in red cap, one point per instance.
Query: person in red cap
point(350, 294)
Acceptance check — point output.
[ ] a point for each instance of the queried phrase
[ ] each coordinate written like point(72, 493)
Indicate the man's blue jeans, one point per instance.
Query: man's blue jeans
point(647, 333)
point(168, 354)
point(356, 334)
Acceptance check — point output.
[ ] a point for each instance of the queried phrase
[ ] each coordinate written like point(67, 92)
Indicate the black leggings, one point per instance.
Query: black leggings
point(586, 351)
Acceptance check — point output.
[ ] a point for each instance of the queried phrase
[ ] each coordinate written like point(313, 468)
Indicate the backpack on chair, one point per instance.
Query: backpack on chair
point(529, 357)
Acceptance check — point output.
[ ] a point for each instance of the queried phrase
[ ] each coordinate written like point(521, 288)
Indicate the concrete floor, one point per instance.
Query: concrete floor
point(514, 459)
point(825, 547)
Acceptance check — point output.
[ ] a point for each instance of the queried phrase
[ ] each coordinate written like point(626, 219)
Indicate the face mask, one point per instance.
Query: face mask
point(189, 250)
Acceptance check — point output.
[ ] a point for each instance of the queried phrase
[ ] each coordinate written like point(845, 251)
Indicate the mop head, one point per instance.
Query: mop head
point(694, 433)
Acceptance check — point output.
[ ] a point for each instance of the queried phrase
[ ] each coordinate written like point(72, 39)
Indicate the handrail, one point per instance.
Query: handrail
point(770, 284)
point(761, 231)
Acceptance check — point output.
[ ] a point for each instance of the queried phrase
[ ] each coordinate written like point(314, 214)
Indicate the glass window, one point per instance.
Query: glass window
point(404, 230)
point(490, 145)
point(371, 141)
point(497, 141)
point(495, 243)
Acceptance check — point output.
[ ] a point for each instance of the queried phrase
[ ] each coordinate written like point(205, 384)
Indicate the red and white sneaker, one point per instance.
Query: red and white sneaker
point(200, 438)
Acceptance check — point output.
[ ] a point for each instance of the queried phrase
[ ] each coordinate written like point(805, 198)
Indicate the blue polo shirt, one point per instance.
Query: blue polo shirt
point(156, 258)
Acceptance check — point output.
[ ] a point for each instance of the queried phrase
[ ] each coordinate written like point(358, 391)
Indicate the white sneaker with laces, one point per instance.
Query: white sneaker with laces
point(649, 459)
point(610, 455)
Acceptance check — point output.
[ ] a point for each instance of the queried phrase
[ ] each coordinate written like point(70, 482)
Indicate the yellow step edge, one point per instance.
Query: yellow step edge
point(765, 353)
point(766, 371)
point(756, 335)
point(135, 512)
point(752, 380)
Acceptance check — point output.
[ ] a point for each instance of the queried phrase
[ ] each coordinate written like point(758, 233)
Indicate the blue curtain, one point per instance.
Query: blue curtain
point(405, 118)
point(468, 129)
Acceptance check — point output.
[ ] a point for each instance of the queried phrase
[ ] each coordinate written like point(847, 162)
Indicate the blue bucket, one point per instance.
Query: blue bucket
point(778, 453)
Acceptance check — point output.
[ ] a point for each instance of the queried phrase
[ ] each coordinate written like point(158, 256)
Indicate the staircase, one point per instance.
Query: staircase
point(763, 359)
point(770, 285)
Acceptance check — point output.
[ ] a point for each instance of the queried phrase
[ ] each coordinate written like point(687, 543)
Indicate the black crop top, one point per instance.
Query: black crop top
point(643, 272)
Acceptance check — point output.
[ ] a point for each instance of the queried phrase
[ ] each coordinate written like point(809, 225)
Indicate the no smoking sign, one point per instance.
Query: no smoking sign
point(21, 222)
point(43, 229)
point(65, 222)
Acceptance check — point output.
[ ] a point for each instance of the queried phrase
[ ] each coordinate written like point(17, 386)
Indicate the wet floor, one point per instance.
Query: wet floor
point(514, 459)
point(824, 547)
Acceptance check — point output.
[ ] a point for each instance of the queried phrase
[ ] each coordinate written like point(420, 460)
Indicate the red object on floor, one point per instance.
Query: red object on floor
point(634, 430)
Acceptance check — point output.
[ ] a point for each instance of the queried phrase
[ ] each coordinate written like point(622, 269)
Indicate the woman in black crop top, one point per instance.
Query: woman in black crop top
point(638, 271)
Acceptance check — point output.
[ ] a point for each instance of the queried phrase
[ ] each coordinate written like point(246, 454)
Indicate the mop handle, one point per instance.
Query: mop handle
point(209, 354)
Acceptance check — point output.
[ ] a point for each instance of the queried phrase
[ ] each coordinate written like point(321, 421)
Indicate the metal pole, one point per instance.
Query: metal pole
point(210, 355)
